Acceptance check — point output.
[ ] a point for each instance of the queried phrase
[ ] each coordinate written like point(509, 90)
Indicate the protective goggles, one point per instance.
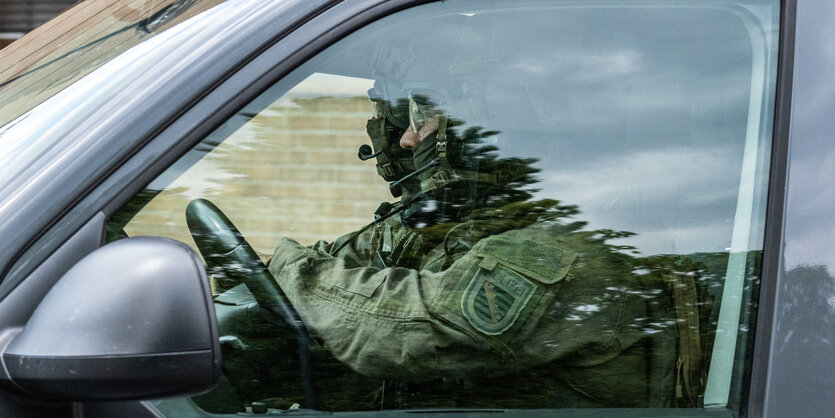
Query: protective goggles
point(420, 111)
point(379, 108)
point(383, 109)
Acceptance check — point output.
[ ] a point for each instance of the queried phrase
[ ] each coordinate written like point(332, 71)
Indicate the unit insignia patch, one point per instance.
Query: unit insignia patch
point(494, 299)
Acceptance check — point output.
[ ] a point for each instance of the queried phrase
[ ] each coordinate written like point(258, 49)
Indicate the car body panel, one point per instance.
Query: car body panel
point(99, 133)
point(802, 351)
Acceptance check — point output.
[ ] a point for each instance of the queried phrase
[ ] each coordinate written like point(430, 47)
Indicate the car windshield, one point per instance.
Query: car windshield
point(55, 55)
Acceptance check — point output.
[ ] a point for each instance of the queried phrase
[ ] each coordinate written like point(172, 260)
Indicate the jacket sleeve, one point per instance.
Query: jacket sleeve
point(373, 320)
point(515, 301)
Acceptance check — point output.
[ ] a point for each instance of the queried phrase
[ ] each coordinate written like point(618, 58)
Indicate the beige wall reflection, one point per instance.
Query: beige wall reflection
point(291, 171)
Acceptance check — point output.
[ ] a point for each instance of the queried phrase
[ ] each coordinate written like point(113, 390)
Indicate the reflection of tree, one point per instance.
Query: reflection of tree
point(808, 304)
point(806, 308)
point(682, 290)
point(503, 202)
point(678, 289)
point(685, 280)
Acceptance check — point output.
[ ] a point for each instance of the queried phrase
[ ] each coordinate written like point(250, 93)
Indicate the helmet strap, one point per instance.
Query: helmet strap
point(441, 144)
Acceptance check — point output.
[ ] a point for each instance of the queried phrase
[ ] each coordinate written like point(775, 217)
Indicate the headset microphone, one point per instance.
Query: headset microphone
point(395, 188)
point(366, 153)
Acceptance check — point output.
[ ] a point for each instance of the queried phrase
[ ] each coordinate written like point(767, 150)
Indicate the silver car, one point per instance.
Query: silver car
point(223, 207)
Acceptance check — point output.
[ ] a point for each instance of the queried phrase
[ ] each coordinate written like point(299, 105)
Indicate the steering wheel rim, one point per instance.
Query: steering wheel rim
point(224, 248)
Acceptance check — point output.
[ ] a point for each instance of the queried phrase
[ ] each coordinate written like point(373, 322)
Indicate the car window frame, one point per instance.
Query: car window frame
point(34, 243)
point(278, 59)
point(757, 380)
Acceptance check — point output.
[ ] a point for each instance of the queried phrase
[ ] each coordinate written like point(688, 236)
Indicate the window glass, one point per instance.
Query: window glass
point(497, 204)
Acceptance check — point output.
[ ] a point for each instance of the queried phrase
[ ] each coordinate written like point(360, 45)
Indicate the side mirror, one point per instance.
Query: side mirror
point(132, 320)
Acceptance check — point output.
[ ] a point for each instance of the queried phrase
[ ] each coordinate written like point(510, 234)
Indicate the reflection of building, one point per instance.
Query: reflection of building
point(298, 160)
point(20, 16)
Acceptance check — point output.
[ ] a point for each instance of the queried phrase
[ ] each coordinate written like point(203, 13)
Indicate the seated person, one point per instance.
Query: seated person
point(469, 283)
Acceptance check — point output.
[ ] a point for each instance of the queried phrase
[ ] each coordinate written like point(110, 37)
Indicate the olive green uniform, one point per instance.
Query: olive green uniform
point(479, 303)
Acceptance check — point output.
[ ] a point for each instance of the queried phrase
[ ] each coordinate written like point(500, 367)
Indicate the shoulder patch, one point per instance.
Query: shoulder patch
point(495, 297)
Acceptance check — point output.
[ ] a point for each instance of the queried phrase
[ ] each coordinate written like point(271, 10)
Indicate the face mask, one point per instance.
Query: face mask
point(385, 129)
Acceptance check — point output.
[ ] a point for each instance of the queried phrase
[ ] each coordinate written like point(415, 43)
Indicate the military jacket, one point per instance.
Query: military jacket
point(490, 305)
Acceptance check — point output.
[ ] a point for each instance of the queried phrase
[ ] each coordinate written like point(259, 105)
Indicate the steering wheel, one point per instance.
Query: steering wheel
point(225, 249)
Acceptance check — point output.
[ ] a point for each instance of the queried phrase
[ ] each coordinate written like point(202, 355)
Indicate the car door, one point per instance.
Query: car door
point(321, 195)
point(615, 126)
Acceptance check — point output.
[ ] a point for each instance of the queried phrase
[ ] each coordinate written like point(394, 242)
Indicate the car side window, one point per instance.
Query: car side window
point(533, 205)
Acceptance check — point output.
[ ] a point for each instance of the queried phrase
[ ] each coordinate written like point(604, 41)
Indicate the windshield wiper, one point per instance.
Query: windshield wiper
point(167, 14)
